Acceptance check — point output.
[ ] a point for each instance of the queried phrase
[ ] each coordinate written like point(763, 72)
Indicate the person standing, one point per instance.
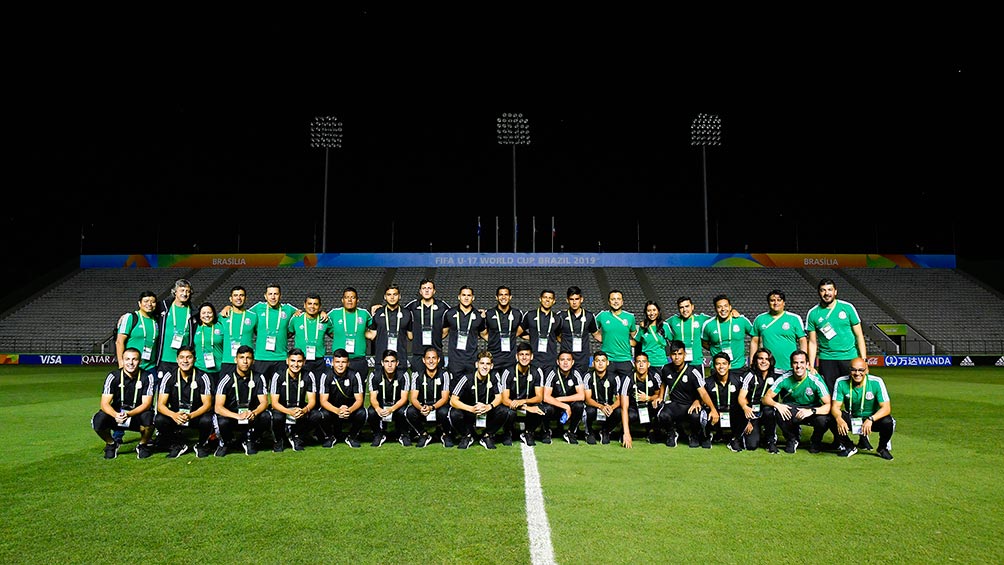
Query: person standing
point(540, 328)
point(238, 329)
point(726, 333)
point(800, 398)
point(616, 332)
point(309, 331)
point(177, 324)
point(350, 324)
point(502, 328)
point(861, 405)
point(390, 326)
point(125, 404)
point(138, 330)
point(274, 326)
point(462, 324)
point(577, 325)
point(686, 327)
point(779, 331)
point(835, 336)
point(653, 336)
point(208, 344)
point(427, 320)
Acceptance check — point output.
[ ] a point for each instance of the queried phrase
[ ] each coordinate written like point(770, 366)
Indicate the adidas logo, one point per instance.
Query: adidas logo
point(999, 363)
point(967, 362)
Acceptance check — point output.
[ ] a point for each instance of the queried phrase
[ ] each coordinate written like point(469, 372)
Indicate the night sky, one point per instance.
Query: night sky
point(196, 149)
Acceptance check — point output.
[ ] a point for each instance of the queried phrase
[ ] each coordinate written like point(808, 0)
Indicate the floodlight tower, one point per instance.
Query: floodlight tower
point(325, 132)
point(513, 129)
point(705, 130)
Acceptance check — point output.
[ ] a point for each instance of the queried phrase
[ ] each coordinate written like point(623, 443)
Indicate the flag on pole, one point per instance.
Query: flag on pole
point(479, 226)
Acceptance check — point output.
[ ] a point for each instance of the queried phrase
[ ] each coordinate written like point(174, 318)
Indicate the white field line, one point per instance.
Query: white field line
point(541, 550)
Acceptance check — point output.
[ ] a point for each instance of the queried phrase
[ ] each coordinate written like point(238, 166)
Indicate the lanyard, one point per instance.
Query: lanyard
point(135, 393)
point(648, 383)
point(728, 394)
point(425, 390)
point(386, 322)
point(174, 318)
point(191, 389)
point(550, 322)
point(498, 322)
point(240, 327)
point(678, 377)
point(317, 326)
point(335, 378)
point(202, 337)
point(142, 323)
point(720, 340)
point(383, 386)
point(355, 329)
point(861, 407)
point(582, 327)
point(470, 319)
point(299, 388)
point(421, 312)
point(278, 317)
point(779, 316)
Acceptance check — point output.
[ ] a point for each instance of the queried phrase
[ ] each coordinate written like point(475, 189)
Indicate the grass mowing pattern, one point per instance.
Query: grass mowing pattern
point(939, 500)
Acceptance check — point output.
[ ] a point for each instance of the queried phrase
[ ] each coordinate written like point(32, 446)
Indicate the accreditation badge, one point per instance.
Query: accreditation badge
point(828, 331)
point(234, 346)
point(600, 416)
point(724, 420)
point(388, 417)
point(688, 355)
point(176, 340)
point(270, 343)
point(147, 353)
point(576, 344)
point(311, 352)
point(290, 419)
point(756, 410)
point(504, 343)
point(481, 421)
point(728, 351)
point(427, 336)
point(184, 411)
point(350, 344)
point(209, 360)
point(856, 424)
point(542, 345)
point(125, 423)
point(392, 342)
point(432, 416)
point(643, 414)
point(462, 340)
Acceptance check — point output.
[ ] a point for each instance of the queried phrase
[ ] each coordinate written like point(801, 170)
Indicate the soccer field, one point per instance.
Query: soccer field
point(939, 500)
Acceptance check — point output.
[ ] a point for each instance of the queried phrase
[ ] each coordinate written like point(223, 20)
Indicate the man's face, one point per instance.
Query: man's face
point(349, 300)
point(799, 366)
point(616, 301)
point(575, 302)
point(641, 364)
point(547, 300)
point(859, 370)
point(295, 363)
point(312, 306)
point(601, 363)
point(339, 364)
point(503, 297)
point(466, 297)
point(686, 309)
point(427, 290)
point(678, 357)
point(776, 304)
point(130, 361)
point(390, 365)
point(244, 361)
point(484, 366)
point(565, 362)
point(431, 360)
point(272, 296)
point(762, 361)
point(182, 294)
point(721, 367)
point(723, 308)
point(148, 304)
point(237, 298)
point(186, 360)
point(827, 293)
point(392, 296)
point(524, 357)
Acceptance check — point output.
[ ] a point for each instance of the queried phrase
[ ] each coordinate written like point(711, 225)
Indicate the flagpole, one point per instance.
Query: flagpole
point(479, 234)
point(552, 234)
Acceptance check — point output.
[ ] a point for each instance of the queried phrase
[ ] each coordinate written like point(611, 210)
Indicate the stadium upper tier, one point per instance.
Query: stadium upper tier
point(947, 307)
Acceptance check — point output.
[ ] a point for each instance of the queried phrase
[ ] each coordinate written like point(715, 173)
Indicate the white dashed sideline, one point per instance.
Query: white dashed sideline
point(541, 551)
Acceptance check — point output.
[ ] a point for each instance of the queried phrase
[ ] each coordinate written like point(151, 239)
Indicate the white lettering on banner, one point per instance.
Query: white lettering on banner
point(918, 361)
point(229, 261)
point(496, 260)
point(821, 262)
point(51, 359)
point(97, 360)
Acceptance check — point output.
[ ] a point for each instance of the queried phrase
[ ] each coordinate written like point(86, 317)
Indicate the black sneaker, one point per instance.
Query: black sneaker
point(221, 451)
point(545, 437)
point(111, 450)
point(734, 446)
point(177, 450)
point(706, 443)
point(143, 451)
point(605, 437)
point(404, 440)
point(465, 442)
point(279, 446)
point(815, 447)
point(772, 448)
point(507, 439)
point(864, 444)
point(590, 439)
point(844, 451)
point(329, 442)
point(249, 448)
point(884, 454)
point(487, 442)
point(352, 442)
point(527, 439)
point(447, 441)
point(792, 446)
point(671, 439)
point(378, 439)
point(297, 444)
point(423, 440)
point(202, 451)
point(569, 437)
point(692, 441)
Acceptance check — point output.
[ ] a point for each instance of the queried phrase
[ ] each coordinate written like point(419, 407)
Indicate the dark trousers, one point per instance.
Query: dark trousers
point(792, 427)
point(464, 422)
point(608, 425)
point(673, 415)
point(833, 369)
point(230, 431)
point(634, 420)
point(176, 434)
point(331, 423)
point(883, 426)
point(531, 421)
point(102, 421)
point(552, 416)
point(764, 430)
point(397, 417)
point(301, 428)
point(419, 425)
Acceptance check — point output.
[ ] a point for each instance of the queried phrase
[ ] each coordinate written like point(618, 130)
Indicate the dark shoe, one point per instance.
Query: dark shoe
point(249, 448)
point(111, 450)
point(884, 454)
point(447, 440)
point(605, 437)
point(590, 439)
point(352, 442)
point(735, 446)
point(221, 451)
point(202, 451)
point(507, 439)
point(465, 442)
point(864, 444)
point(693, 441)
point(487, 442)
point(815, 447)
point(706, 443)
point(404, 440)
point(297, 444)
point(569, 437)
point(844, 451)
point(279, 446)
point(143, 451)
point(527, 439)
point(772, 448)
point(792, 446)
point(545, 437)
point(329, 442)
point(378, 439)
point(424, 440)
point(177, 450)
point(671, 439)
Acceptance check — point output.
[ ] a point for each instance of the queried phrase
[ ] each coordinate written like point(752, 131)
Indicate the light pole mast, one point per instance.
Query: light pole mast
point(325, 132)
point(513, 129)
point(705, 130)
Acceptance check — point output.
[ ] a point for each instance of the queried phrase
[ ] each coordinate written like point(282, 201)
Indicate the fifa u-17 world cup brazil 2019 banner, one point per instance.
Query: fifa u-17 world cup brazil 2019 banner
point(637, 260)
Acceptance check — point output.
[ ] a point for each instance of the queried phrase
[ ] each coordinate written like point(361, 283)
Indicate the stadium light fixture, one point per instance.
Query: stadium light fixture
point(706, 130)
point(513, 129)
point(326, 133)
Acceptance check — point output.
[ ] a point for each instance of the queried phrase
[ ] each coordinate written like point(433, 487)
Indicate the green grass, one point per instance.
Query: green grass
point(939, 500)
